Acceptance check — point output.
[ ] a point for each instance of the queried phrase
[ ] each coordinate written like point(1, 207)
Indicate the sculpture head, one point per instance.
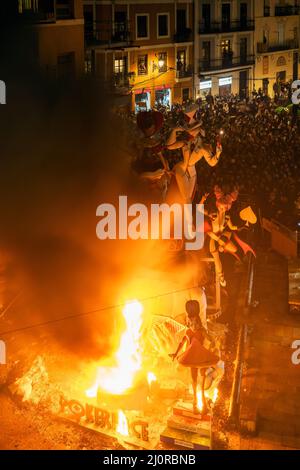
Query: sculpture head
point(224, 201)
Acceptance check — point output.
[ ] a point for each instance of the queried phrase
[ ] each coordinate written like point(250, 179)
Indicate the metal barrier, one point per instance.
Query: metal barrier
point(242, 339)
point(283, 240)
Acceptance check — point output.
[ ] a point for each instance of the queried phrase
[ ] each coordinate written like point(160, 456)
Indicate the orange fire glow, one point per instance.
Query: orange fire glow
point(122, 427)
point(213, 396)
point(128, 358)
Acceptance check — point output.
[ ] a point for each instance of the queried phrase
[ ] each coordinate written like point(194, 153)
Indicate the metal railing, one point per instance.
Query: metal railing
point(221, 27)
point(107, 32)
point(234, 404)
point(184, 73)
point(226, 62)
point(48, 11)
point(282, 46)
point(183, 36)
point(122, 79)
point(287, 10)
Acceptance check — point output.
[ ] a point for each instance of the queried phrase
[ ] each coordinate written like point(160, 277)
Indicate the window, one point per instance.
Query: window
point(206, 51)
point(162, 62)
point(243, 48)
point(120, 65)
point(89, 62)
point(180, 20)
point(181, 60)
point(64, 9)
point(226, 16)
point(185, 94)
point(163, 20)
point(142, 26)
point(281, 76)
point(143, 65)
point(265, 65)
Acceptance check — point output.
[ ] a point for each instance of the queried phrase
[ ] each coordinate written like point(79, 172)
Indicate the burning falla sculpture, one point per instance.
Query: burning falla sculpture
point(188, 138)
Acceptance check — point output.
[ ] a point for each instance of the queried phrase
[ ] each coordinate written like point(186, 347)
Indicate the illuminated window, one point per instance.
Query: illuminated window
point(143, 65)
point(162, 62)
point(120, 65)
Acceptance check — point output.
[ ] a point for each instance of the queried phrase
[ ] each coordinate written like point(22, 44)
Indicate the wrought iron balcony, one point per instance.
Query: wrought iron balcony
point(287, 10)
point(184, 35)
point(263, 48)
point(43, 12)
point(107, 32)
point(46, 11)
point(64, 9)
point(186, 72)
point(123, 79)
point(226, 62)
point(221, 27)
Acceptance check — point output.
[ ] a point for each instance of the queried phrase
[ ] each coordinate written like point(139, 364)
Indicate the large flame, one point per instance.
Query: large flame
point(116, 380)
point(212, 395)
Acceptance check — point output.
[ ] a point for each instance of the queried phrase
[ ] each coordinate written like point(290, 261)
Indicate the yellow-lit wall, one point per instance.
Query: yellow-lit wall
point(60, 38)
point(268, 64)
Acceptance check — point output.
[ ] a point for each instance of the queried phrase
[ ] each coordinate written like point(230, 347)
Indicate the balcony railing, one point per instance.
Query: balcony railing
point(42, 12)
point(184, 73)
point(46, 11)
point(123, 79)
point(282, 46)
point(226, 63)
point(287, 10)
point(64, 9)
point(219, 27)
point(107, 32)
point(184, 35)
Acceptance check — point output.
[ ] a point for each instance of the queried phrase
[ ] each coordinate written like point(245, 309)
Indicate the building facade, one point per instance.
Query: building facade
point(276, 43)
point(145, 47)
point(224, 46)
point(59, 34)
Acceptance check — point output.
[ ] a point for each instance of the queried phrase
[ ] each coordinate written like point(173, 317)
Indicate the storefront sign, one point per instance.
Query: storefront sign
point(205, 85)
point(225, 81)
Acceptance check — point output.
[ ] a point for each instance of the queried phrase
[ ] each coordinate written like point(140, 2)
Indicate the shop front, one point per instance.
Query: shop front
point(205, 87)
point(225, 85)
point(163, 97)
point(142, 100)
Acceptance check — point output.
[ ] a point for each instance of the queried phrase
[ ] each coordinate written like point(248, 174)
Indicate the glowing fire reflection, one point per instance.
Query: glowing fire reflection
point(211, 395)
point(122, 427)
point(151, 378)
point(119, 378)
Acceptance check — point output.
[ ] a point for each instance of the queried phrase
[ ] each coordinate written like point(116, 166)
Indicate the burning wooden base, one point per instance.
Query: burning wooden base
point(186, 429)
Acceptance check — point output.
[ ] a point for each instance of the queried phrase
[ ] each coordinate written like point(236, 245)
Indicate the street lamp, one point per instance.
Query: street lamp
point(160, 64)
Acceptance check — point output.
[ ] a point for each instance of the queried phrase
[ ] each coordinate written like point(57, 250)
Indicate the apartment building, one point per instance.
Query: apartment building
point(142, 47)
point(224, 46)
point(59, 38)
point(276, 42)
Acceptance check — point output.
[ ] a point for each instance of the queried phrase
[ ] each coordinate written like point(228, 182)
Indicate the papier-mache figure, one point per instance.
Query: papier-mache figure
point(222, 232)
point(189, 138)
point(195, 355)
point(151, 164)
